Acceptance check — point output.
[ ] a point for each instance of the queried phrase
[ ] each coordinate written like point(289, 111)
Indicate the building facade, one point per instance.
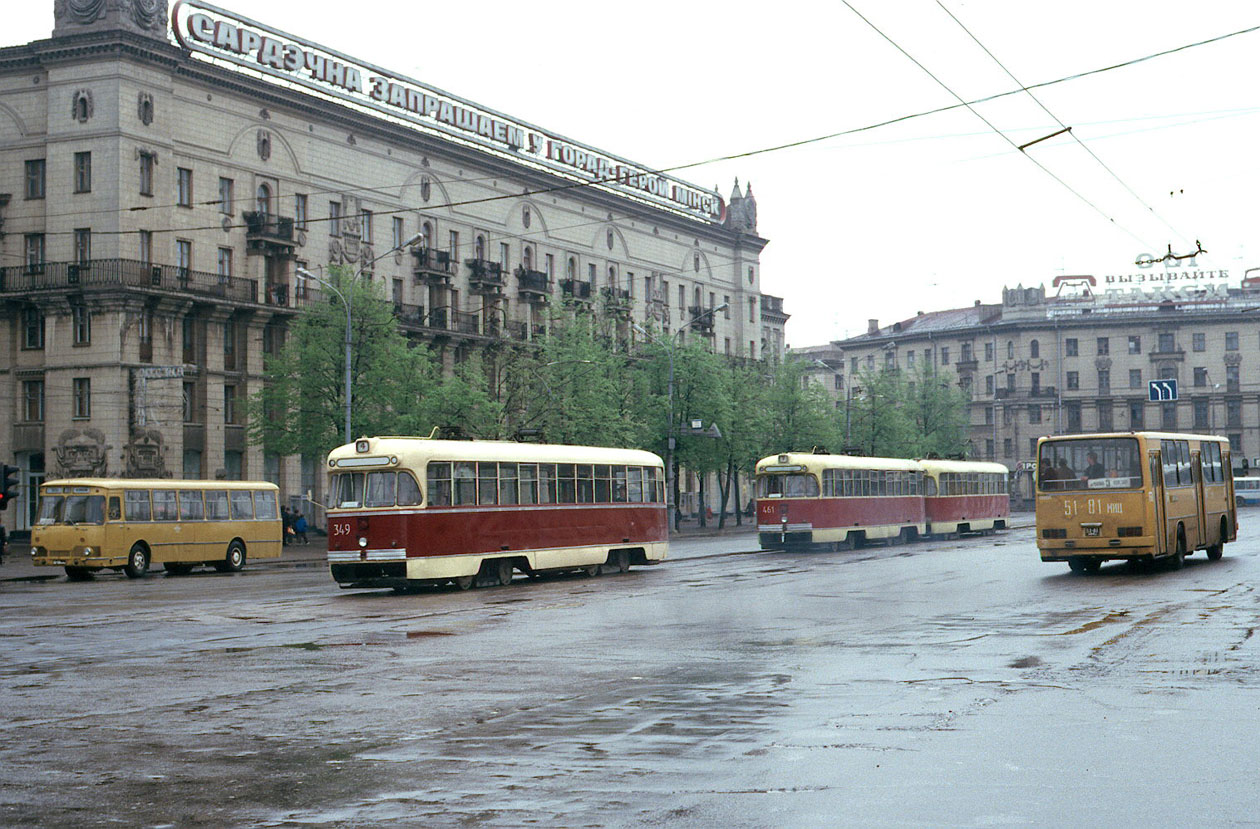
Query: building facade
point(1081, 360)
point(165, 174)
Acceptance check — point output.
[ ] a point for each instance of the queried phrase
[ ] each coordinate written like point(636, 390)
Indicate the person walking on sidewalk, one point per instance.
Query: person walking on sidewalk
point(286, 524)
point(299, 527)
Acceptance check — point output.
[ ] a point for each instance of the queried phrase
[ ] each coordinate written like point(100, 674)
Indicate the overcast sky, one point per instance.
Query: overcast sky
point(930, 213)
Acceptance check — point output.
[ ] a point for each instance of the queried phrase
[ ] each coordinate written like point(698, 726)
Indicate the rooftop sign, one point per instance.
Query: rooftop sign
point(220, 34)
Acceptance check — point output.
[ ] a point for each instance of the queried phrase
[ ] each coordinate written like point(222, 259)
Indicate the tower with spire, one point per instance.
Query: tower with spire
point(741, 210)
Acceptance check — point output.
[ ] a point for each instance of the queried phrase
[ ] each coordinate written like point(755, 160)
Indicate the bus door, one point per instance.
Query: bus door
point(1231, 505)
point(1200, 498)
point(1157, 492)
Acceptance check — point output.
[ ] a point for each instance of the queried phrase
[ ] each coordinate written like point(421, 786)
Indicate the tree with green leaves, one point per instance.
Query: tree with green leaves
point(937, 409)
point(878, 425)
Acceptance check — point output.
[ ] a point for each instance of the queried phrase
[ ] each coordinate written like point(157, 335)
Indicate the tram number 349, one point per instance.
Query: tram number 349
point(1093, 506)
point(337, 528)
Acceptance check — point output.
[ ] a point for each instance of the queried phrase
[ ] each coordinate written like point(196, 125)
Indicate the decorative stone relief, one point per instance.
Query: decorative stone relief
point(264, 144)
point(143, 16)
point(145, 108)
point(82, 106)
point(82, 453)
point(145, 455)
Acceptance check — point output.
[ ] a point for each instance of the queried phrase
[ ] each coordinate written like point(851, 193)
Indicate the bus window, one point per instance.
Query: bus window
point(137, 504)
point(191, 507)
point(380, 489)
point(1096, 463)
point(50, 509)
point(408, 490)
point(216, 505)
point(265, 505)
point(164, 508)
point(242, 505)
point(115, 508)
point(439, 484)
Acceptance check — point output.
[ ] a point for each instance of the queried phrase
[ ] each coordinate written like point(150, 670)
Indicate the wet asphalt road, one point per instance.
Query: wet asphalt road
point(958, 683)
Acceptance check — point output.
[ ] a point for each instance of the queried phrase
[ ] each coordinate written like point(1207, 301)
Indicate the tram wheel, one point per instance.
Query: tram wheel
point(137, 562)
point(464, 582)
point(503, 571)
point(591, 570)
point(621, 560)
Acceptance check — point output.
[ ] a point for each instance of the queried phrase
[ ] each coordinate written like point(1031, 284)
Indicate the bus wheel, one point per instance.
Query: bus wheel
point(78, 573)
point(137, 562)
point(1239, 502)
point(234, 561)
point(1078, 564)
point(503, 571)
point(177, 568)
point(1215, 551)
point(621, 560)
point(1178, 559)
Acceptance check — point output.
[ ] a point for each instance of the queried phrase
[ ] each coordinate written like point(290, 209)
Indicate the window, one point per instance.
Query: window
point(136, 505)
point(81, 319)
point(34, 253)
point(184, 187)
point(988, 384)
point(146, 246)
point(549, 265)
point(1200, 377)
point(752, 309)
point(988, 416)
point(299, 211)
point(229, 345)
point(225, 196)
point(33, 401)
point(398, 232)
point(1073, 410)
point(242, 502)
point(225, 262)
point(229, 404)
point(1034, 413)
point(190, 403)
point(1198, 341)
point(1232, 381)
point(453, 245)
point(1167, 342)
point(367, 227)
point(1105, 423)
point(146, 173)
point(1135, 378)
point(1168, 417)
point(1070, 347)
point(82, 397)
point(1104, 345)
point(945, 355)
point(1073, 380)
point(504, 255)
point(964, 353)
point(1034, 349)
point(33, 328)
point(83, 245)
point(191, 507)
point(1231, 340)
point(1233, 412)
point(262, 199)
point(1104, 381)
point(82, 172)
point(183, 256)
point(1135, 345)
point(1137, 415)
point(334, 218)
point(1202, 413)
point(988, 351)
point(36, 170)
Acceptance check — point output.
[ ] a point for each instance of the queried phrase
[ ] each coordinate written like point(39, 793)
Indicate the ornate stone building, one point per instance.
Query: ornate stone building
point(163, 175)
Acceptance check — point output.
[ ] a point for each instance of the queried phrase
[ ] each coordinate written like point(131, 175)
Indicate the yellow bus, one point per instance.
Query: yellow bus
point(1138, 496)
point(90, 524)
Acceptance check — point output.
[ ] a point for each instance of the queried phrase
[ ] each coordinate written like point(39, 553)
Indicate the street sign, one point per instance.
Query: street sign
point(1161, 390)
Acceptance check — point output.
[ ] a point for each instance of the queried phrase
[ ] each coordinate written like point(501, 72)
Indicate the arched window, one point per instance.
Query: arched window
point(570, 269)
point(612, 276)
point(426, 237)
point(264, 199)
point(527, 257)
point(1010, 350)
point(1034, 349)
point(479, 249)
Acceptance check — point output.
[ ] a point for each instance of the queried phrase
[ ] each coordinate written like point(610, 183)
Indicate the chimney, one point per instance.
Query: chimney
point(872, 327)
point(977, 303)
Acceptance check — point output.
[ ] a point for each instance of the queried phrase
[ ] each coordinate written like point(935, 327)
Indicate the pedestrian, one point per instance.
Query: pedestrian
point(286, 524)
point(299, 527)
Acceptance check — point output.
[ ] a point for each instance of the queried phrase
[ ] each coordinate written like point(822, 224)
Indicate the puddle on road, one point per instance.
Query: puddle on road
point(376, 640)
point(1097, 623)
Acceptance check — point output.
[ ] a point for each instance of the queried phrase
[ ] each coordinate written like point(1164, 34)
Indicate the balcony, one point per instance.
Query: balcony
point(112, 274)
point(429, 265)
point(464, 323)
point(484, 276)
point(533, 285)
point(616, 300)
point(966, 365)
point(772, 309)
point(573, 289)
point(1175, 354)
point(411, 315)
point(700, 319)
point(268, 234)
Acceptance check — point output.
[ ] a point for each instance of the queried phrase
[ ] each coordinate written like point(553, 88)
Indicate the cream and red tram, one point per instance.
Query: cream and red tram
point(406, 511)
point(965, 496)
point(807, 499)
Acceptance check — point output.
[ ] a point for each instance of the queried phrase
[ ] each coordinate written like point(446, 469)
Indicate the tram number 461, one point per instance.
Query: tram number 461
point(1093, 506)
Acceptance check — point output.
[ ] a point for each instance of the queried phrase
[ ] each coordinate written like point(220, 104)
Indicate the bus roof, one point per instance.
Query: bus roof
point(157, 483)
point(1148, 435)
point(412, 451)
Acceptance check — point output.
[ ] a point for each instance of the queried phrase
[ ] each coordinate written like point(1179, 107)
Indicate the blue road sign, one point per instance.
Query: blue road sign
point(1158, 391)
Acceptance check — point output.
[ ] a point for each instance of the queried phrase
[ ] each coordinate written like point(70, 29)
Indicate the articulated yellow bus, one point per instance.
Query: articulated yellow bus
point(1139, 496)
point(91, 524)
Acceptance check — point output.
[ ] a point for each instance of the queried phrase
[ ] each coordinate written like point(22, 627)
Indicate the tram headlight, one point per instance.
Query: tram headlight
point(362, 541)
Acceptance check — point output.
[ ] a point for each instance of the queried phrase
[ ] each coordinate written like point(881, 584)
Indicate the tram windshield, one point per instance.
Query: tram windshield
point(793, 485)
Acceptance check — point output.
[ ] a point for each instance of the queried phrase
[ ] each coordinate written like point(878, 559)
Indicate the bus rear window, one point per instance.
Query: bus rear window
point(1089, 463)
point(796, 485)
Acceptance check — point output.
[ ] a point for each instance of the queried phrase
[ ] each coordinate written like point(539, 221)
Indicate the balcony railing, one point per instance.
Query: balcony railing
point(268, 233)
point(432, 264)
point(126, 273)
point(535, 283)
point(701, 318)
point(409, 314)
point(464, 322)
point(574, 289)
point(616, 299)
point(484, 275)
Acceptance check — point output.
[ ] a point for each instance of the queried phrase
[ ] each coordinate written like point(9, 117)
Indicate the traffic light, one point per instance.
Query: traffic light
point(8, 484)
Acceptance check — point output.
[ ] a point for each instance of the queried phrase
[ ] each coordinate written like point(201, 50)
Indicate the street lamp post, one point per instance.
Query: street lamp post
point(669, 392)
point(346, 300)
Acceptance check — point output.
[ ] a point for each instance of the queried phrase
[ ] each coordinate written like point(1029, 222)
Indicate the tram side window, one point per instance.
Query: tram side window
point(191, 507)
point(409, 494)
point(379, 491)
point(439, 484)
point(465, 483)
point(603, 484)
point(242, 505)
point(634, 485)
point(265, 508)
point(619, 494)
point(136, 502)
point(487, 483)
point(508, 484)
point(659, 474)
point(547, 484)
point(567, 490)
point(528, 475)
point(164, 507)
point(585, 483)
point(217, 505)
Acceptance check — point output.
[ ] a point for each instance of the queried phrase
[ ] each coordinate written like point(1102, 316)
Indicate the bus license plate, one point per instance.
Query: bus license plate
point(1092, 532)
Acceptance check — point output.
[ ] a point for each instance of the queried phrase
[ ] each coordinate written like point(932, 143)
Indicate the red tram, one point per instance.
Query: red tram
point(406, 511)
point(809, 500)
